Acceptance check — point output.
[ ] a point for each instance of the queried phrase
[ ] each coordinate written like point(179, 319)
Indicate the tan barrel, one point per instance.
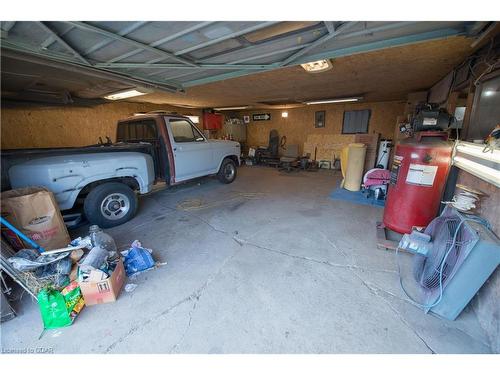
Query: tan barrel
point(354, 166)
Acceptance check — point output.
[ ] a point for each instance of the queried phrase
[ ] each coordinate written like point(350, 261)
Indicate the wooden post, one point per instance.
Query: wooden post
point(468, 111)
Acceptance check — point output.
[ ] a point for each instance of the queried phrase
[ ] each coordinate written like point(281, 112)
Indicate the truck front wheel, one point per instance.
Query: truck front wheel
point(110, 204)
point(227, 171)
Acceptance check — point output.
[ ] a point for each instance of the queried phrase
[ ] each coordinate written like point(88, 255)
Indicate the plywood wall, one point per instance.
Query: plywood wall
point(299, 128)
point(486, 303)
point(27, 127)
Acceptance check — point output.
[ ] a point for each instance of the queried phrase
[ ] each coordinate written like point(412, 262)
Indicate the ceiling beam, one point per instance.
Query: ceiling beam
point(181, 66)
point(51, 40)
point(330, 26)
point(272, 53)
point(392, 25)
point(165, 54)
point(484, 34)
point(127, 30)
point(225, 37)
point(7, 25)
point(317, 43)
point(14, 51)
point(185, 74)
point(376, 29)
point(60, 40)
point(178, 34)
point(163, 40)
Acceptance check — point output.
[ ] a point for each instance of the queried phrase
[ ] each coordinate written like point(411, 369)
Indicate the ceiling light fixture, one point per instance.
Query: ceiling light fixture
point(340, 100)
point(124, 94)
point(230, 108)
point(317, 66)
point(284, 114)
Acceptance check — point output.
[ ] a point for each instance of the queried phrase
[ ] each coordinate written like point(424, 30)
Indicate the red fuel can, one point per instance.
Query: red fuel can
point(418, 177)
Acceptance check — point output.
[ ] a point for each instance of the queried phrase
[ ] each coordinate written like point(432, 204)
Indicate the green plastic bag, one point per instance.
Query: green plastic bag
point(59, 309)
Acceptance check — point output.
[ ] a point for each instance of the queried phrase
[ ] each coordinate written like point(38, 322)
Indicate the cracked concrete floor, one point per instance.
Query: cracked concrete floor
point(269, 264)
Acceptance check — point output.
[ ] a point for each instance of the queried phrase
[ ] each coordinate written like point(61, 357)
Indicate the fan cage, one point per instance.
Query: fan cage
point(442, 230)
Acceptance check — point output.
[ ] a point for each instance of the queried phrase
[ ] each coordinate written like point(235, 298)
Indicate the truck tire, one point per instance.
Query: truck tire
point(110, 204)
point(227, 172)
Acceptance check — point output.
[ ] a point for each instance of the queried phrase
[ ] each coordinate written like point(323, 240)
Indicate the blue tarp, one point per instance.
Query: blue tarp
point(357, 197)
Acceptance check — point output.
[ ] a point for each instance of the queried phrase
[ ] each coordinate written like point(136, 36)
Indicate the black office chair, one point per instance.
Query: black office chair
point(264, 155)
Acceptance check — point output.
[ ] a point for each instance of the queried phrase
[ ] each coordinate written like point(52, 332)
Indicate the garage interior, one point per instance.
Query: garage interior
point(273, 262)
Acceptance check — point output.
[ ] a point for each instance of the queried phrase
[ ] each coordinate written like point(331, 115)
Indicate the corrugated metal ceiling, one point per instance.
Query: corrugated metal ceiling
point(175, 55)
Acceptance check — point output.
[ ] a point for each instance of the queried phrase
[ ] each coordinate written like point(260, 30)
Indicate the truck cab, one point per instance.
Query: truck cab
point(181, 151)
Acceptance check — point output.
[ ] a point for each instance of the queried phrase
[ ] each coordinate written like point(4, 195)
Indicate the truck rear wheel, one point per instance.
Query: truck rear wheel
point(227, 171)
point(110, 204)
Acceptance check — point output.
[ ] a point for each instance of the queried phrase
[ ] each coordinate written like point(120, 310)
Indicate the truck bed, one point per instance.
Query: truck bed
point(16, 156)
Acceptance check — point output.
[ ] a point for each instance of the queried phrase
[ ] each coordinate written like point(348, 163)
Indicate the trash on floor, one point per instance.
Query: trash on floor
point(35, 212)
point(103, 240)
point(48, 269)
point(60, 308)
point(102, 287)
point(129, 288)
point(138, 259)
point(101, 273)
point(89, 271)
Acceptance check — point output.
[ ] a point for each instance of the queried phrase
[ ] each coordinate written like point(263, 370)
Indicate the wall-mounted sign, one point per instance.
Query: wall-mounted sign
point(261, 117)
point(246, 119)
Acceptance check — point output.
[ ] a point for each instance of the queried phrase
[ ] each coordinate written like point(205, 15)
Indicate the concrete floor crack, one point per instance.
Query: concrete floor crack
point(196, 295)
point(137, 327)
point(351, 267)
point(375, 291)
point(309, 259)
point(181, 340)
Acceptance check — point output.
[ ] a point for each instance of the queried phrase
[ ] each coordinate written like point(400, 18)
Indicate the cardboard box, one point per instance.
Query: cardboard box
point(96, 292)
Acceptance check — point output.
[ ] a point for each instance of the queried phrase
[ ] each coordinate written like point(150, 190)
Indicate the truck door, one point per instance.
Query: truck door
point(193, 155)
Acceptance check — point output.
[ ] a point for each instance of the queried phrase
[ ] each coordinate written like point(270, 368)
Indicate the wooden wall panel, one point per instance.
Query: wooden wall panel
point(27, 127)
point(486, 303)
point(299, 128)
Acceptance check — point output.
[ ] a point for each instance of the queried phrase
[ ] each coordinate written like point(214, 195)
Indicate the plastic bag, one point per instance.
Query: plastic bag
point(138, 259)
point(59, 309)
point(30, 259)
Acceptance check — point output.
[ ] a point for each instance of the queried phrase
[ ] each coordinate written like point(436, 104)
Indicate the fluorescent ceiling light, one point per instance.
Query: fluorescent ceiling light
point(317, 66)
point(124, 94)
point(194, 119)
point(477, 150)
point(471, 158)
point(230, 108)
point(484, 172)
point(341, 100)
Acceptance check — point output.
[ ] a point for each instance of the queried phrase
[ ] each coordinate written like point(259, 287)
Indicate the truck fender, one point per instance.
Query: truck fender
point(234, 157)
point(68, 197)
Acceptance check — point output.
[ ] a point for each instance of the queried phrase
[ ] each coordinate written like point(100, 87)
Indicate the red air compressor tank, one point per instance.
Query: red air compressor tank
point(418, 176)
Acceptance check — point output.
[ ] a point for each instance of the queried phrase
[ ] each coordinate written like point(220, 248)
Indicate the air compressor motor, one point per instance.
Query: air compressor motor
point(428, 116)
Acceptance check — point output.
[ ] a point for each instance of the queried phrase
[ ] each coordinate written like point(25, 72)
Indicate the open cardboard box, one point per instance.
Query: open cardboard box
point(103, 291)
